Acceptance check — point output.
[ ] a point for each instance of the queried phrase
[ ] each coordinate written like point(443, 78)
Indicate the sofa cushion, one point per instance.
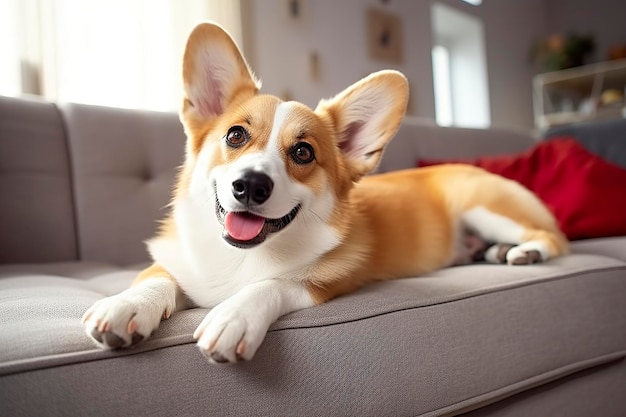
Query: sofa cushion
point(124, 163)
point(614, 247)
point(420, 138)
point(574, 183)
point(446, 341)
point(36, 214)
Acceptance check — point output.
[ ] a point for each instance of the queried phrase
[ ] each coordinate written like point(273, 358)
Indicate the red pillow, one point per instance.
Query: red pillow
point(586, 194)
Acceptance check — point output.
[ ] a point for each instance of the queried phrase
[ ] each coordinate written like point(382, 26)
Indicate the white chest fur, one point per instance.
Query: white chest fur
point(209, 270)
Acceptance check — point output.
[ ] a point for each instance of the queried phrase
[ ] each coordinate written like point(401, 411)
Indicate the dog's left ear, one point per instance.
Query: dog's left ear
point(365, 117)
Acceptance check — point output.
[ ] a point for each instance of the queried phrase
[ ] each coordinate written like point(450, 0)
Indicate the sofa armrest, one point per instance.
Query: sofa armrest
point(420, 138)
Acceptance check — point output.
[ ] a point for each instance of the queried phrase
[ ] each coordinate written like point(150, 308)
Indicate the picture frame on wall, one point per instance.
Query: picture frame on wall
point(384, 36)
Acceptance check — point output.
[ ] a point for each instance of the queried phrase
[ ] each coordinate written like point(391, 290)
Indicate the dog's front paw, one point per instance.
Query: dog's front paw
point(234, 329)
point(231, 332)
point(125, 319)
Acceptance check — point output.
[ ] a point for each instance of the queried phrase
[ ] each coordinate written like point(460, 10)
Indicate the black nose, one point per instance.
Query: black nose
point(253, 188)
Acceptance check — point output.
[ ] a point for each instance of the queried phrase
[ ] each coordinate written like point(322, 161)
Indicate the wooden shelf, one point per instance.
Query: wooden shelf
point(573, 95)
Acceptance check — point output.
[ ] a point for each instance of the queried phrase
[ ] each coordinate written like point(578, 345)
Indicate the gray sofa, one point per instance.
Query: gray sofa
point(81, 188)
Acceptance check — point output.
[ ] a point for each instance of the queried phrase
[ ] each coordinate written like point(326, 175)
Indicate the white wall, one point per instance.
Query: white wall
point(336, 30)
point(511, 26)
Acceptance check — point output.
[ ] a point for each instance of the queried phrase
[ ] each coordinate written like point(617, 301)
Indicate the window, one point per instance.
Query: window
point(9, 74)
point(459, 69)
point(117, 53)
point(441, 78)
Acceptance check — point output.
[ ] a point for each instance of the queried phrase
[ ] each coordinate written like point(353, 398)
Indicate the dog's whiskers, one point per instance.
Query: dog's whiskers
point(210, 198)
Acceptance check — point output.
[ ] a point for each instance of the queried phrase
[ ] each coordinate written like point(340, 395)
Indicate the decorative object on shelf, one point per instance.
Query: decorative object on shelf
point(558, 52)
point(612, 97)
point(617, 52)
point(384, 36)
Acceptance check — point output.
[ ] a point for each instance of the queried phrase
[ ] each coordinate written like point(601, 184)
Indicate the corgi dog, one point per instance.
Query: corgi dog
point(273, 211)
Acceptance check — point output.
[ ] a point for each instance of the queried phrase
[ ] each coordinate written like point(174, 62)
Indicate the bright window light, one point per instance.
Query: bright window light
point(10, 81)
point(474, 2)
point(459, 68)
point(115, 53)
point(441, 79)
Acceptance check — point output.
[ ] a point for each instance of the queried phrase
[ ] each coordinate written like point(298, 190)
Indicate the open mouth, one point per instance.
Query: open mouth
point(245, 230)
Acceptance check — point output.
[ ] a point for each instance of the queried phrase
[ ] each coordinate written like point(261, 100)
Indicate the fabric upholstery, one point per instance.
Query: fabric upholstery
point(36, 208)
point(434, 343)
point(124, 164)
point(576, 395)
point(613, 247)
point(417, 138)
point(505, 340)
point(605, 138)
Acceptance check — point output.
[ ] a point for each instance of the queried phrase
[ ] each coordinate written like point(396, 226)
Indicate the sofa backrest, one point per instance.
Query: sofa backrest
point(422, 138)
point(80, 182)
point(36, 207)
point(124, 163)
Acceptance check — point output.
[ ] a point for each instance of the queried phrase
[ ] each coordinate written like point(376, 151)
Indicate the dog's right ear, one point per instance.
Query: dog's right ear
point(214, 74)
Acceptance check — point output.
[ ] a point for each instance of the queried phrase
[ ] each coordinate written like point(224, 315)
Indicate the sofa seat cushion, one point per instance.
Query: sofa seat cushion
point(614, 247)
point(444, 342)
point(40, 305)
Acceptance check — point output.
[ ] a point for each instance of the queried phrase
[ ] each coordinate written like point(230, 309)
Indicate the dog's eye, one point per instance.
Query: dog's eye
point(236, 136)
point(303, 153)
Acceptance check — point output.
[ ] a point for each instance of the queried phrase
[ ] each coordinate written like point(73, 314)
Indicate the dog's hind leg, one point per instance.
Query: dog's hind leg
point(470, 248)
point(515, 242)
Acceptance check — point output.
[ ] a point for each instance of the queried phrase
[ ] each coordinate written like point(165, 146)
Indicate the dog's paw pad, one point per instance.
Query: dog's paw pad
point(111, 340)
point(122, 320)
point(218, 358)
point(519, 256)
point(97, 335)
point(526, 258)
point(228, 334)
point(527, 253)
point(137, 338)
point(497, 253)
point(108, 339)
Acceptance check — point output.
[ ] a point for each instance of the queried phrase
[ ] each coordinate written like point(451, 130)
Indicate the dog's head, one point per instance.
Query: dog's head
point(262, 164)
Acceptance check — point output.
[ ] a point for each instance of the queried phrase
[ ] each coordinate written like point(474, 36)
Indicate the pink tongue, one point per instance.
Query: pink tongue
point(243, 226)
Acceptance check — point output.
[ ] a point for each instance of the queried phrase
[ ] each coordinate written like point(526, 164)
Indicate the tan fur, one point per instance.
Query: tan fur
point(153, 270)
point(394, 225)
point(402, 223)
point(280, 217)
point(196, 125)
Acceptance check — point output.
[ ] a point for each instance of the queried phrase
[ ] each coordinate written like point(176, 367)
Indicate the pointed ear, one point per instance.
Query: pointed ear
point(214, 73)
point(366, 116)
